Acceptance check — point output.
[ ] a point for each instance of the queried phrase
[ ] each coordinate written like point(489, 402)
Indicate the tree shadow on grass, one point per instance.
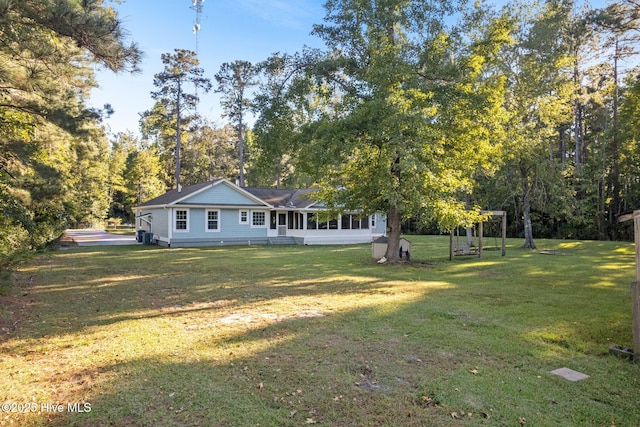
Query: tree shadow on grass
point(86, 289)
point(415, 365)
point(326, 338)
point(278, 372)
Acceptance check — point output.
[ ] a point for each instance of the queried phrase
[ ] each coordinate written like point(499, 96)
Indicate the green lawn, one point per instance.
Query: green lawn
point(292, 335)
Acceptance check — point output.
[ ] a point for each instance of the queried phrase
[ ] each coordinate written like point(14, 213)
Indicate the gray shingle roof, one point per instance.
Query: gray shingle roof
point(290, 198)
point(173, 195)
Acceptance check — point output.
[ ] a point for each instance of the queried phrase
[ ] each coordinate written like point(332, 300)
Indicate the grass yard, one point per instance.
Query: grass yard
point(290, 336)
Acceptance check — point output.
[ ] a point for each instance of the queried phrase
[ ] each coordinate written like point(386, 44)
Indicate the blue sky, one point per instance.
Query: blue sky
point(230, 30)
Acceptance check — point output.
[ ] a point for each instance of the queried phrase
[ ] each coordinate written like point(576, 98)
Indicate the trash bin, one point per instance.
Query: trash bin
point(140, 236)
point(148, 238)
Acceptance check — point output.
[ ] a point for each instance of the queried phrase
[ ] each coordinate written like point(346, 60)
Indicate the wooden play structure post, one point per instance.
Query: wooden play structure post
point(503, 231)
point(503, 214)
point(635, 286)
point(635, 290)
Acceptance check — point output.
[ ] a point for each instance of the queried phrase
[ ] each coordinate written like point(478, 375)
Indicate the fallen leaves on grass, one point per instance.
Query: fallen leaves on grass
point(428, 401)
point(461, 414)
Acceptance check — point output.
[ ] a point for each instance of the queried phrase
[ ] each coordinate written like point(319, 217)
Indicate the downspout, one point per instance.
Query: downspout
point(169, 226)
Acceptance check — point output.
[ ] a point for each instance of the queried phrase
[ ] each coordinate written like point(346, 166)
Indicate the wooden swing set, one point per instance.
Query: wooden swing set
point(635, 286)
point(457, 248)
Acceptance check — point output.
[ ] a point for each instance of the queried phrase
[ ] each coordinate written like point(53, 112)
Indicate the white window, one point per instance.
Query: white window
point(213, 220)
point(244, 217)
point(258, 219)
point(181, 220)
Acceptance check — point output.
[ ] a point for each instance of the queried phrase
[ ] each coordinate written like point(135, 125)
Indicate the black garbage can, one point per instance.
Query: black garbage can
point(148, 238)
point(141, 236)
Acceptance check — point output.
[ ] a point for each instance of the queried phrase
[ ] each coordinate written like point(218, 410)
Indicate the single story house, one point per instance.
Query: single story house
point(219, 212)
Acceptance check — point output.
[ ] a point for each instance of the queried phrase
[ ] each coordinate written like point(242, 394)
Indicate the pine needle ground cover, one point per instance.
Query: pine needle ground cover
point(278, 336)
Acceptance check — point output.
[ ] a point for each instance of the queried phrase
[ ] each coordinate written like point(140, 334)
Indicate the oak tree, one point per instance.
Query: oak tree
point(412, 109)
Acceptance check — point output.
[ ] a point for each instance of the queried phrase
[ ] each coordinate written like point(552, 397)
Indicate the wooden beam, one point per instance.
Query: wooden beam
point(626, 217)
point(635, 327)
point(504, 235)
point(494, 213)
point(635, 291)
point(636, 233)
point(480, 233)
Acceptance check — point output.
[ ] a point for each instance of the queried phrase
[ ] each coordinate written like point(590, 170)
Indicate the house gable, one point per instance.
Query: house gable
point(215, 193)
point(222, 193)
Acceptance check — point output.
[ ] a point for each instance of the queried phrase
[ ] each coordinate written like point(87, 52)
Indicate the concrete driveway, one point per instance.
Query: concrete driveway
point(99, 238)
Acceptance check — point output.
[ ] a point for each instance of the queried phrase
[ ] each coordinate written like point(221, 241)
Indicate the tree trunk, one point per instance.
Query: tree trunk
point(393, 234)
point(526, 212)
point(616, 205)
point(178, 137)
point(394, 219)
point(577, 119)
point(562, 146)
point(241, 153)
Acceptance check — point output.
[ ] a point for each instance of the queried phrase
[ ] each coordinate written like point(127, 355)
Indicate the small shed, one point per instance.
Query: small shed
point(379, 248)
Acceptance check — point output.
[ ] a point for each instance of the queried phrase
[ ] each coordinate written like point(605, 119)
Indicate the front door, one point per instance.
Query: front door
point(282, 224)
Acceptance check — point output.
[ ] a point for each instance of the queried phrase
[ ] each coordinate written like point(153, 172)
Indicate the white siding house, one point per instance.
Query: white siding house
point(221, 213)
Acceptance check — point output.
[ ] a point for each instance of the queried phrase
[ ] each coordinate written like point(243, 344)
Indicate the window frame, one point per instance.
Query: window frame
point(265, 222)
point(206, 221)
point(186, 220)
point(246, 217)
point(312, 221)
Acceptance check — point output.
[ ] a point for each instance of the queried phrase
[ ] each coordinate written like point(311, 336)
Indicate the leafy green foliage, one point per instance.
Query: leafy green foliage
point(166, 120)
point(52, 152)
point(234, 80)
point(274, 145)
point(539, 101)
point(210, 153)
point(413, 110)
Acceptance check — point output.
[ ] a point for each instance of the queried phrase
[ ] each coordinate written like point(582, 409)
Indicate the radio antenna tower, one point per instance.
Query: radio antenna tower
point(197, 5)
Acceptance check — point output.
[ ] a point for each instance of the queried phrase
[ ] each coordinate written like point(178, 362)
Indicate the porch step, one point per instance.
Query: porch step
point(282, 240)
